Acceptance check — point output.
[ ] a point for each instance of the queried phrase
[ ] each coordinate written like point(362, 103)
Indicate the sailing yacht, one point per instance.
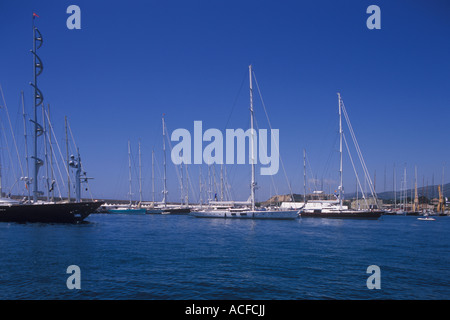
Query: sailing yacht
point(164, 207)
point(129, 208)
point(335, 208)
point(245, 212)
point(39, 211)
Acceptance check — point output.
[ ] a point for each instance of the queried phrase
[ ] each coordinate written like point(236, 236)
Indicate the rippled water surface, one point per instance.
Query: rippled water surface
point(182, 257)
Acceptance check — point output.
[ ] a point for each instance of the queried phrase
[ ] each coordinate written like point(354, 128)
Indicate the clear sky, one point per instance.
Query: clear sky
point(134, 60)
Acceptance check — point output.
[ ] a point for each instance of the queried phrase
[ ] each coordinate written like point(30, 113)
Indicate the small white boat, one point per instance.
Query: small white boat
point(426, 219)
point(128, 210)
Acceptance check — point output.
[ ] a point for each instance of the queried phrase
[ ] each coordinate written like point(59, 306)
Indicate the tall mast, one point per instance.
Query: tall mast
point(441, 193)
point(395, 188)
point(211, 183)
point(129, 168)
point(405, 190)
point(214, 182)
point(67, 159)
point(221, 182)
point(27, 178)
point(443, 168)
point(45, 154)
point(340, 152)
point(38, 100)
point(140, 175)
point(76, 164)
point(304, 176)
point(1, 190)
point(182, 183)
point(187, 185)
point(416, 196)
point(200, 186)
point(164, 161)
point(252, 142)
point(51, 154)
point(374, 180)
point(153, 176)
point(78, 177)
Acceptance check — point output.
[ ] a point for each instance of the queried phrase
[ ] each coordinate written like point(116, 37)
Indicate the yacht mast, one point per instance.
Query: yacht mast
point(395, 189)
point(153, 176)
point(252, 142)
point(416, 196)
point(140, 175)
point(129, 168)
point(27, 178)
point(47, 182)
point(187, 185)
point(51, 155)
point(340, 152)
point(181, 185)
point(38, 100)
point(304, 176)
point(76, 164)
point(405, 191)
point(67, 159)
point(200, 187)
point(164, 161)
point(221, 182)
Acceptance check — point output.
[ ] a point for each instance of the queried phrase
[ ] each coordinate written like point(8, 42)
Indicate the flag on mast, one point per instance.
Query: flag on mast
point(35, 15)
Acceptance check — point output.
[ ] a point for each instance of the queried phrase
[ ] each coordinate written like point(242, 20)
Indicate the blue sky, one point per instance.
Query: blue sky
point(133, 61)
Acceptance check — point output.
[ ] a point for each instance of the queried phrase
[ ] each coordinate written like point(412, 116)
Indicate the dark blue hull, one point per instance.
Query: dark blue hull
point(48, 212)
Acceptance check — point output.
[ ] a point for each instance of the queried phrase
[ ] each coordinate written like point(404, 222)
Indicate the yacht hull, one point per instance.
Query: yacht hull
point(48, 212)
point(176, 211)
point(343, 214)
point(269, 215)
point(154, 211)
point(128, 211)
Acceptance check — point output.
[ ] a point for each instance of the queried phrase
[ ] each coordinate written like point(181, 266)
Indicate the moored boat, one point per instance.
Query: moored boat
point(342, 214)
point(175, 210)
point(248, 213)
point(128, 210)
point(35, 210)
point(427, 219)
point(335, 208)
point(64, 212)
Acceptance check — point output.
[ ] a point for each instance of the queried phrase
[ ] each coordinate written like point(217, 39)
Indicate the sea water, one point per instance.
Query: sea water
point(179, 257)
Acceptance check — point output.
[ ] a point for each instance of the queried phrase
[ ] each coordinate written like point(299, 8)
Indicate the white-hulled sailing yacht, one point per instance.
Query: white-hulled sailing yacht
point(245, 212)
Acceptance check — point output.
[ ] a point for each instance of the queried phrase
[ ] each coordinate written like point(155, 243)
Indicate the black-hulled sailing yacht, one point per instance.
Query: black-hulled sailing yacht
point(335, 208)
point(38, 211)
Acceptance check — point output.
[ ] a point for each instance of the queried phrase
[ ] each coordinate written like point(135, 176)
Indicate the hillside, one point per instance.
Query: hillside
point(429, 192)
